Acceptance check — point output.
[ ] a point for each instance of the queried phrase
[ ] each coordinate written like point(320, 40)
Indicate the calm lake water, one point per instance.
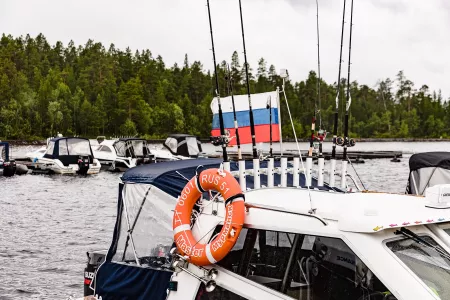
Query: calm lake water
point(48, 223)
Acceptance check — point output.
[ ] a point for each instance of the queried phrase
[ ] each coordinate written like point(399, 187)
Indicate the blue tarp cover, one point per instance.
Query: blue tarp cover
point(123, 282)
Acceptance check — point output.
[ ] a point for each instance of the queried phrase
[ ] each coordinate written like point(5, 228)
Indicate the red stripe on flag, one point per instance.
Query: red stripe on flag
point(262, 133)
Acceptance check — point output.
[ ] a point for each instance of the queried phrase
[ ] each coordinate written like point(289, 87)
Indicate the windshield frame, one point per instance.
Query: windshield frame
point(421, 234)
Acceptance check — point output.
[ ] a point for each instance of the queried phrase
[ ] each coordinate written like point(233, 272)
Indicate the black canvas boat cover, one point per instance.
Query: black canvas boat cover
point(426, 170)
point(69, 149)
point(131, 147)
point(429, 159)
point(183, 144)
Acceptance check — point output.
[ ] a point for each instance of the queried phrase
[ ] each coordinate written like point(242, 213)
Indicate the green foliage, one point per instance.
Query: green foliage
point(91, 90)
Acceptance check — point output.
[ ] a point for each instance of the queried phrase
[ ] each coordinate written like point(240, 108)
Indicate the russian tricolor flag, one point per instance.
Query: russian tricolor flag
point(261, 117)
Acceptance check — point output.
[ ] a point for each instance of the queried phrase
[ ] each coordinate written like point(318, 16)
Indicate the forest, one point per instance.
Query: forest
point(90, 90)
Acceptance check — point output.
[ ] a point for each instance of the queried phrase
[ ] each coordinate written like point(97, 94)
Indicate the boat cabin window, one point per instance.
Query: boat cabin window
point(219, 293)
point(104, 149)
point(428, 261)
point(445, 227)
point(50, 147)
point(63, 148)
point(78, 147)
point(303, 266)
point(138, 147)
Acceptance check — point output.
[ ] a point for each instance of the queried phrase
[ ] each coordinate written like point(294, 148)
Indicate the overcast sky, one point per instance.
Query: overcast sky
point(388, 35)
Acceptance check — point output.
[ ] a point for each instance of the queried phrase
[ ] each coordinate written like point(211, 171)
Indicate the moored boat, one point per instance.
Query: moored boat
point(123, 154)
point(68, 156)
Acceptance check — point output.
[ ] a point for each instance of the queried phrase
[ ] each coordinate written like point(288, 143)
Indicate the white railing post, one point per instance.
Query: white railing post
point(256, 175)
point(321, 165)
point(344, 176)
point(296, 171)
point(242, 180)
point(308, 174)
point(270, 166)
point(283, 165)
point(332, 180)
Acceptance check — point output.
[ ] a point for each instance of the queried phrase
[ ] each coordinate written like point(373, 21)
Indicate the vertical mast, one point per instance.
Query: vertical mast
point(252, 122)
point(222, 128)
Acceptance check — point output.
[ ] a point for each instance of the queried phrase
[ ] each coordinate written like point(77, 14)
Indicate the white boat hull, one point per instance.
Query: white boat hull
point(57, 167)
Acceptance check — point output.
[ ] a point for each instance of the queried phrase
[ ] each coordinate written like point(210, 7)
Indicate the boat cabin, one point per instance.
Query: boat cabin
point(426, 170)
point(69, 150)
point(131, 147)
point(184, 145)
point(296, 242)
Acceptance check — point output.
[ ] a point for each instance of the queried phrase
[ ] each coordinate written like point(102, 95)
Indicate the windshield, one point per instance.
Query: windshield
point(78, 147)
point(192, 145)
point(430, 264)
point(138, 147)
point(130, 148)
point(50, 148)
point(445, 227)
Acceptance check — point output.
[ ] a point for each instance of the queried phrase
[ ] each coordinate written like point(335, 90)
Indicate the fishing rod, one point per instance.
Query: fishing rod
point(346, 142)
point(336, 113)
point(252, 122)
point(311, 148)
point(321, 159)
point(223, 138)
point(236, 127)
point(256, 177)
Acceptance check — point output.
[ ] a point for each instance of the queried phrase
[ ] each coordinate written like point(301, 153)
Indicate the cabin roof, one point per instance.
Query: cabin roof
point(367, 212)
point(429, 159)
point(130, 139)
point(68, 138)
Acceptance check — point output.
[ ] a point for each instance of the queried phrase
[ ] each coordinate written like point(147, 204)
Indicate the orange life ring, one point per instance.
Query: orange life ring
point(223, 182)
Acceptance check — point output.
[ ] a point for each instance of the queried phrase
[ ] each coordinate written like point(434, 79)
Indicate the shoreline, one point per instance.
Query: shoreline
point(205, 140)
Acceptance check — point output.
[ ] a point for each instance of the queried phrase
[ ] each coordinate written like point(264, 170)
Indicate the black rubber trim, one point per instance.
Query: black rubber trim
point(232, 198)
point(198, 183)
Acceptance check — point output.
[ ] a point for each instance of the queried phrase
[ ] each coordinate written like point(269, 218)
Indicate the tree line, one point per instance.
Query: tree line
point(92, 90)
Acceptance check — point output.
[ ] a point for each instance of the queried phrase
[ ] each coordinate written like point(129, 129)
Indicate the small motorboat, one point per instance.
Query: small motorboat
point(7, 165)
point(67, 155)
point(122, 154)
point(395, 159)
point(358, 160)
point(179, 146)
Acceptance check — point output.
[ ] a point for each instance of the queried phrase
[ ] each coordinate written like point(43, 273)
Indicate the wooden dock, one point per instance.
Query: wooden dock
point(292, 153)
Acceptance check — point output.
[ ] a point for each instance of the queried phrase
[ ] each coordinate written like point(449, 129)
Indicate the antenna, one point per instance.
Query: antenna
point(318, 67)
point(252, 122)
point(223, 138)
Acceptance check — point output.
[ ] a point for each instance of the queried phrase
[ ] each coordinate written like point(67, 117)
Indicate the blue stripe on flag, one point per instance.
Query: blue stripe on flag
point(260, 116)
